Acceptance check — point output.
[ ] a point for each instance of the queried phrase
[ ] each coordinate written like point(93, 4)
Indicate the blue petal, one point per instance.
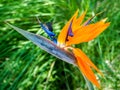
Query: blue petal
point(70, 33)
point(46, 29)
point(88, 21)
point(54, 39)
point(49, 25)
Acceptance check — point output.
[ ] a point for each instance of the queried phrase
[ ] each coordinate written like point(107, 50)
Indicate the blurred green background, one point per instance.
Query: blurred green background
point(24, 66)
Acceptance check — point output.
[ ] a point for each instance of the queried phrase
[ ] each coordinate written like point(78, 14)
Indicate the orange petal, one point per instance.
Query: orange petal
point(78, 21)
point(87, 33)
point(97, 32)
point(81, 34)
point(84, 64)
point(87, 72)
point(87, 60)
point(64, 31)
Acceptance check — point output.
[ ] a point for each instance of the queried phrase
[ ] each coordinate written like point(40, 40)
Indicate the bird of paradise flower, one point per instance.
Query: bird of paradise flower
point(74, 32)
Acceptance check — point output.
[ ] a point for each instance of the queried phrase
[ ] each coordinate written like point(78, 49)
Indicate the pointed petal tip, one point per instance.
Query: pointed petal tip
point(85, 66)
point(104, 20)
point(38, 19)
point(77, 10)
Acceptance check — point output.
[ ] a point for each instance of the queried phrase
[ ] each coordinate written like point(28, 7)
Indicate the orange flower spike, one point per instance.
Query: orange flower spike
point(86, 59)
point(87, 72)
point(97, 29)
point(97, 32)
point(77, 22)
point(85, 65)
point(64, 31)
point(81, 18)
point(87, 33)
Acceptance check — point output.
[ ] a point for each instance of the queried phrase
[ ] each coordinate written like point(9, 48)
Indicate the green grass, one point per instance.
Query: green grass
point(24, 66)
